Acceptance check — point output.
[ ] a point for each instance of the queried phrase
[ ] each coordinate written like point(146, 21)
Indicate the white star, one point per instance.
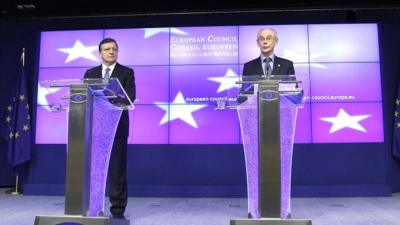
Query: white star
point(226, 82)
point(343, 120)
point(179, 110)
point(79, 51)
point(177, 31)
point(42, 96)
point(148, 32)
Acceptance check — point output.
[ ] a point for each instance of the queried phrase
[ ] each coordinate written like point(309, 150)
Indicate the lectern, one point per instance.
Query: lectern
point(95, 107)
point(267, 120)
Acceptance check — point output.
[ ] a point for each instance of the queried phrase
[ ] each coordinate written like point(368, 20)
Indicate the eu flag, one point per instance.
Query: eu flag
point(396, 128)
point(17, 124)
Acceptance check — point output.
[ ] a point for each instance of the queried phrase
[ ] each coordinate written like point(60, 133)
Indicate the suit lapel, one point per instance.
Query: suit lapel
point(260, 70)
point(277, 66)
point(116, 71)
point(98, 73)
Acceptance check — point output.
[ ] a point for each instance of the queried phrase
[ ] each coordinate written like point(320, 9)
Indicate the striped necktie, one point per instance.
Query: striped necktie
point(107, 74)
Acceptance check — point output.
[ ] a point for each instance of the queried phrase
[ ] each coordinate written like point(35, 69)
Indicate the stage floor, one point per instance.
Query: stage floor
point(21, 210)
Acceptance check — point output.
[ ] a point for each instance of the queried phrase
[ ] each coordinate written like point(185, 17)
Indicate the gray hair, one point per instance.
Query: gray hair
point(267, 28)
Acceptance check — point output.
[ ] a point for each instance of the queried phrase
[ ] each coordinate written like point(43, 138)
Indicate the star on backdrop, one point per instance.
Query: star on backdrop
point(79, 50)
point(226, 82)
point(345, 120)
point(148, 32)
point(179, 110)
point(43, 96)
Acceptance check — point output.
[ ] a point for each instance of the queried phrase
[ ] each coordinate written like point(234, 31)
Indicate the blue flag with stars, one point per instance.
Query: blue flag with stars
point(17, 123)
point(396, 128)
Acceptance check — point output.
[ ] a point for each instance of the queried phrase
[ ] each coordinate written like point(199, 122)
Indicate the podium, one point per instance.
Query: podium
point(94, 109)
point(267, 121)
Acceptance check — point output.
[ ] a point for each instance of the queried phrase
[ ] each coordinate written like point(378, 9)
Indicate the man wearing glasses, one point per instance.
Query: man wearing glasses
point(267, 63)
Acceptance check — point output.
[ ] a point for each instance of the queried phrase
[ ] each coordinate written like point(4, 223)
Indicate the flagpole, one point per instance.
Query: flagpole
point(15, 190)
point(23, 57)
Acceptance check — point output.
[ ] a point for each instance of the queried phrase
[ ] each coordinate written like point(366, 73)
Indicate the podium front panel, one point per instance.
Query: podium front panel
point(105, 122)
point(248, 116)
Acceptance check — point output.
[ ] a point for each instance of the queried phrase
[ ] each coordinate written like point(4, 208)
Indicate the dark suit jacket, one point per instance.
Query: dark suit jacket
point(126, 77)
point(281, 67)
point(254, 67)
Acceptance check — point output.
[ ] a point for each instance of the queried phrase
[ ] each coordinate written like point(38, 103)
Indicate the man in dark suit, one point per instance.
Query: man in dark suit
point(117, 178)
point(267, 63)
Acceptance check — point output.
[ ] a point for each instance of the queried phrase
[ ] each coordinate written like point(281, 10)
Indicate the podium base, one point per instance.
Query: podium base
point(270, 221)
point(78, 220)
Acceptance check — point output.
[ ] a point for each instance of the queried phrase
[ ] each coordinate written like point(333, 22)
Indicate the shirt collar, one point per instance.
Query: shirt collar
point(103, 68)
point(271, 56)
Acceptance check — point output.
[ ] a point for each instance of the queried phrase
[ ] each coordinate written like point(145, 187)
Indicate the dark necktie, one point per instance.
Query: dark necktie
point(107, 74)
point(268, 70)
